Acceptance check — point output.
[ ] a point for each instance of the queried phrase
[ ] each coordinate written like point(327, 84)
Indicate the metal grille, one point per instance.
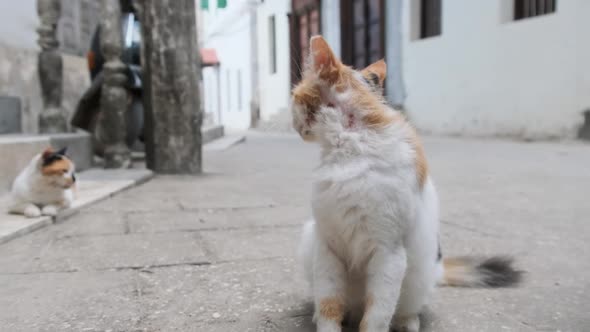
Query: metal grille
point(532, 8)
point(363, 35)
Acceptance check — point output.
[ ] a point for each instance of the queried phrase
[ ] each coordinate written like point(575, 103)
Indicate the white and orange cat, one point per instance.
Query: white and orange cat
point(373, 252)
point(44, 186)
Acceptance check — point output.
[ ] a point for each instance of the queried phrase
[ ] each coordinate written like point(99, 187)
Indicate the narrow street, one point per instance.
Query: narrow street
point(217, 252)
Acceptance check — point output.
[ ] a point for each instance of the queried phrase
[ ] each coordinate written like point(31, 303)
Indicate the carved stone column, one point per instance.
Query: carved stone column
point(111, 128)
point(172, 71)
point(50, 66)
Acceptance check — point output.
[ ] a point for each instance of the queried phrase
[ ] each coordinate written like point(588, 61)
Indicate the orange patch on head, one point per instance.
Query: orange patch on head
point(343, 79)
point(377, 114)
point(57, 167)
point(379, 118)
point(332, 308)
point(307, 93)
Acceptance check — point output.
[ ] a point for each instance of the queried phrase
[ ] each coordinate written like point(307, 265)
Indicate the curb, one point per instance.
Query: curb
point(224, 143)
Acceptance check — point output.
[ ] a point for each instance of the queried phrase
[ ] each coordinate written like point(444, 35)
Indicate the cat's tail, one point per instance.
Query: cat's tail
point(497, 271)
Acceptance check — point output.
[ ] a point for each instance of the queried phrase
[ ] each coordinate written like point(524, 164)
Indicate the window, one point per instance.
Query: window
point(430, 18)
point(532, 8)
point(273, 44)
point(363, 31)
point(239, 79)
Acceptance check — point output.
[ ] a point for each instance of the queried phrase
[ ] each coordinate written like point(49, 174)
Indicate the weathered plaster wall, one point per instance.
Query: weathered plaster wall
point(18, 78)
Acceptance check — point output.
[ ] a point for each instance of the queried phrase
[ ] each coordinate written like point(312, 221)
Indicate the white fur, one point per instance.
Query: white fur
point(34, 194)
point(375, 233)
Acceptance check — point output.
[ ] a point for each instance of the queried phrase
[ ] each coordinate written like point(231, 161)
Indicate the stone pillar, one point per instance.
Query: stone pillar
point(172, 71)
point(111, 127)
point(50, 66)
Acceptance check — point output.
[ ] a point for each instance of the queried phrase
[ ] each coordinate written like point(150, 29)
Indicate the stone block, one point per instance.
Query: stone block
point(210, 133)
point(10, 115)
point(16, 151)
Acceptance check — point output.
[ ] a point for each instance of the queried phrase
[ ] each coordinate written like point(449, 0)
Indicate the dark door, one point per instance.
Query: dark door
point(362, 31)
point(304, 22)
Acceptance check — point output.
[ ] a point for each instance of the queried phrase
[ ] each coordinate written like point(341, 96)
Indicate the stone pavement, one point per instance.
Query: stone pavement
point(218, 252)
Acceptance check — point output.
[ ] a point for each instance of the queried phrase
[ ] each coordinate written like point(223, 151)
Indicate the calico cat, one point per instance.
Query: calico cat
point(373, 252)
point(45, 186)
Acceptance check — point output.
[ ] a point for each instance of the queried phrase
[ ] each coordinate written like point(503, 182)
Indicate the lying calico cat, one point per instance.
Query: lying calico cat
point(45, 186)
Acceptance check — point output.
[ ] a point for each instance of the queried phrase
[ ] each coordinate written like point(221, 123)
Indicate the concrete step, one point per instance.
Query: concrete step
point(94, 185)
point(210, 133)
point(17, 150)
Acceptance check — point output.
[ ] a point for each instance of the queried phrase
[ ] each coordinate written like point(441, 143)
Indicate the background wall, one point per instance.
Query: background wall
point(228, 31)
point(489, 75)
point(274, 88)
point(18, 56)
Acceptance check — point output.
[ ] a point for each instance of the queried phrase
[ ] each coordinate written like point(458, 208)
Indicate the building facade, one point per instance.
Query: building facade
point(228, 89)
point(508, 68)
point(273, 58)
point(515, 68)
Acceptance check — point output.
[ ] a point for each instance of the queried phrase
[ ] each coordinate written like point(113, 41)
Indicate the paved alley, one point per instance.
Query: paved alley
point(217, 253)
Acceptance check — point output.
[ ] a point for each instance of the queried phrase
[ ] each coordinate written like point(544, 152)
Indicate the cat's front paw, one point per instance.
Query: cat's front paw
point(407, 324)
point(49, 210)
point(32, 211)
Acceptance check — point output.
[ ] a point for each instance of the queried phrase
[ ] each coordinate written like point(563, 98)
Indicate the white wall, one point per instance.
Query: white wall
point(274, 88)
point(489, 75)
point(228, 32)
point(19, 23)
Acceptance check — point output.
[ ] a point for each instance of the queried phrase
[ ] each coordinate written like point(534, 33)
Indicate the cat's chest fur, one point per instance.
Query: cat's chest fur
point(363, 202)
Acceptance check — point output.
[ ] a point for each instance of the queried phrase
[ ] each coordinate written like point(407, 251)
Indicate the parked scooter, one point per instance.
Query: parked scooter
point(88, 110)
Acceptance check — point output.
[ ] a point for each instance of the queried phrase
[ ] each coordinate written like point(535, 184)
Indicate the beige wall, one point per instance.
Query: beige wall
point(18, 78)
point(18, 62)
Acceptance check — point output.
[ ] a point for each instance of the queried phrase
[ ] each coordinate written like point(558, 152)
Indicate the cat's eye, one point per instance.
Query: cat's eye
point(64, 171)
point(330, 105)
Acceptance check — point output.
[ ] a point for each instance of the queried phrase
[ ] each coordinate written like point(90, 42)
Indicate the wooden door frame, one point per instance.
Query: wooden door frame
point(298, 9)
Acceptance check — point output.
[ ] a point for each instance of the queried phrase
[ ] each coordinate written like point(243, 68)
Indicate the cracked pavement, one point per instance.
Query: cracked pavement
point(218, 252)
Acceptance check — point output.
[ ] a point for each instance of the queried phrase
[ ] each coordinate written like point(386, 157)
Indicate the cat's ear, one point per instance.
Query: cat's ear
point(323, 60)
point(63, 151)
point(47, 153)
point(376, 72)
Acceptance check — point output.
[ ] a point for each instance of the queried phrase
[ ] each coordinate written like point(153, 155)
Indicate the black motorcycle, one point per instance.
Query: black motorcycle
point(88, 110)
